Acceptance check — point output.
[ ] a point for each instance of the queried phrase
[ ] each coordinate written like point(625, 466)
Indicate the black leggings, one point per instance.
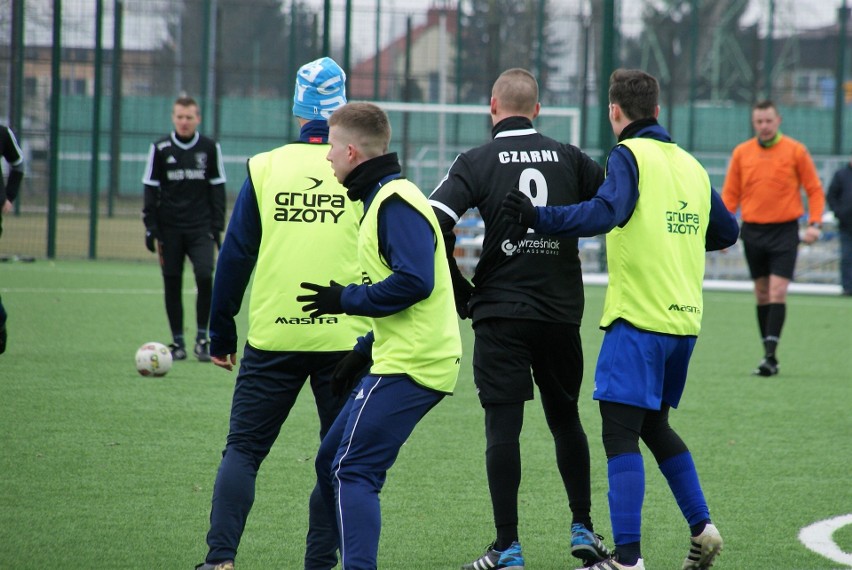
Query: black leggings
point(503, 423)
point(623, 425)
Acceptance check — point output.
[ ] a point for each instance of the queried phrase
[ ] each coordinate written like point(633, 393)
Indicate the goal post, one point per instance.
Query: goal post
point(437, 132)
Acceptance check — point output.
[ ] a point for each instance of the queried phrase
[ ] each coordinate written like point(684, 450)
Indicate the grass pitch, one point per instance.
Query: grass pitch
point(102, 468)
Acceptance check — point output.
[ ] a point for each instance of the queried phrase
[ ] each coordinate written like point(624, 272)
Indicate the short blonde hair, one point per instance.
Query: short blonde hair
point(517, 91)
point(367, 124)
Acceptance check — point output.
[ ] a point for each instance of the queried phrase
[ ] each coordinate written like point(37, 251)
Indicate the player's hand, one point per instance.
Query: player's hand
point(7, 206)
point(227, 362)
point(150, 237)
point(217, 239)
point(812, 234)
point(347, 372)
point(518, 209)
point(324, 301)
point(462, 292)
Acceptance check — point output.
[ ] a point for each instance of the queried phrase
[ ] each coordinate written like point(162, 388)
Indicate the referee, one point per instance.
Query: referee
point(184, 216)
point(526, 304)
point(764, 182)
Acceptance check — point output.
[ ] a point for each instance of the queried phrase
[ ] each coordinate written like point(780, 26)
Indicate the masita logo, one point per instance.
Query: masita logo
point(684, 308)
point(306, 320)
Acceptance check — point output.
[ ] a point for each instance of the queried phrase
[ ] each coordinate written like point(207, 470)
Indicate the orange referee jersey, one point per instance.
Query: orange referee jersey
point(765, 182)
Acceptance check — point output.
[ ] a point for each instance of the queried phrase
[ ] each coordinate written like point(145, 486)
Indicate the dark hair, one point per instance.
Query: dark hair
point(185, 101)
point(635, 91)
point(763, 105)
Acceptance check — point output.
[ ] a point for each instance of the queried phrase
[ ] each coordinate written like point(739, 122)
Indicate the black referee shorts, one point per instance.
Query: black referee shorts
point(176, 245)
point(506, 350)
point(771, 249)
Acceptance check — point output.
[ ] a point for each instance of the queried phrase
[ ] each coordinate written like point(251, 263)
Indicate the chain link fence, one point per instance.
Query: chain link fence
point(91, 84)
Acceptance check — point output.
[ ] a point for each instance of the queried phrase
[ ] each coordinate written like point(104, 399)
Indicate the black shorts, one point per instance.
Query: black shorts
point(175, 245)
point(505, 350)
point(771, 249)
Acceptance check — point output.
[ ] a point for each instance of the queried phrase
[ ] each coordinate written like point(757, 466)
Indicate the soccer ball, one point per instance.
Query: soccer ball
point(153, 359)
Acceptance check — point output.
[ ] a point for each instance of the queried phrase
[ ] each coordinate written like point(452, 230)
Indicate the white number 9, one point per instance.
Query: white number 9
point(533, 184)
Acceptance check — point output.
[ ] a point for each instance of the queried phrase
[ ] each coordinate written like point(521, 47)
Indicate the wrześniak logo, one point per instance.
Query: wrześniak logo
point(535, 245)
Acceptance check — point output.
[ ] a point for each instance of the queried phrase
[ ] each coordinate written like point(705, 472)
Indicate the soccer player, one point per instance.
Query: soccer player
point(661, 215)
point(764, 181)
point(414, 344)
point(526, 306)
point(291, 222)
point(11, 152)
point(839, 197)
point(184, 215)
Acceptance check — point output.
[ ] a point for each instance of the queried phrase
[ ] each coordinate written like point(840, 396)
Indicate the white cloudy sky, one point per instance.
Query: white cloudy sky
point(789, 14)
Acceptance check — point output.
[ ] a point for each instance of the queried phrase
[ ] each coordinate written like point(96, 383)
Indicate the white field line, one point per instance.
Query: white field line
point(86, 291)
point(818, 537)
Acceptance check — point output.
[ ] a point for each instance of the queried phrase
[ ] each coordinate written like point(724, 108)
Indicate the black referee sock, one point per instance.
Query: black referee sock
point(774, 323)
point(762, 314)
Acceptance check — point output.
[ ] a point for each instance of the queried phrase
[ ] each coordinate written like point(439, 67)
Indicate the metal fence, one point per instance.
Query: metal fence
point(91, 82)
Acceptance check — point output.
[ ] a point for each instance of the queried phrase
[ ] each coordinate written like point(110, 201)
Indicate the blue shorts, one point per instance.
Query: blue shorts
point(641, 368)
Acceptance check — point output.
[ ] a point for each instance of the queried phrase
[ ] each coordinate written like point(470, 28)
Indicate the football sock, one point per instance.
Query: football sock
point(629, 554)
point(202, 302)
point(503, 466)
point(762, 313)
point(774, 324)
point(696, 529)
point(202, 335)
point(506, 535)
point(682, 477)
point(572, 459)
point(174, 303)
point(178, 338)
point(626, 474)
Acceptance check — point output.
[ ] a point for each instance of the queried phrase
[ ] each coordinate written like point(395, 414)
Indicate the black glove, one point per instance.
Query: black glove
point(217, 239)
point(350, 368)
point(462, 290)
point(326, 300)
point(150, 237)
point(519, 209)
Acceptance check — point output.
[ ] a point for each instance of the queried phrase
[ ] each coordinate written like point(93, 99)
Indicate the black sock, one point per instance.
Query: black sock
point(506, 535)
point(178, 338)
point(762, 313)
point(503, 467)
point(629, 553)
point(697, 529)
point(174, 306)
point(774, 323)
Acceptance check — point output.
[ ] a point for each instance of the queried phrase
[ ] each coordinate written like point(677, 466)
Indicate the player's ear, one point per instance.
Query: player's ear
point(493, 105)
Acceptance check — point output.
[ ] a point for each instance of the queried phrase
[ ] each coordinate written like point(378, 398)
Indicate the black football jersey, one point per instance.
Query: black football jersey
point(537, 276)
point(189, 178)
point(11, 152)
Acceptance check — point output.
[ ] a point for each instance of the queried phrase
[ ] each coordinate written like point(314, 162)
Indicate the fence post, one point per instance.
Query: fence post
point(55, 93)
point(606, 68)
point(96, 131)
point(115, 108)
point(693, 71)
point(840, 79)
point(16, 78)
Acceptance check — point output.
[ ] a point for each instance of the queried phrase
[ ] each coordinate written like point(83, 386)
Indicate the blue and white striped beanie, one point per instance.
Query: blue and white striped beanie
point(320, 89)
